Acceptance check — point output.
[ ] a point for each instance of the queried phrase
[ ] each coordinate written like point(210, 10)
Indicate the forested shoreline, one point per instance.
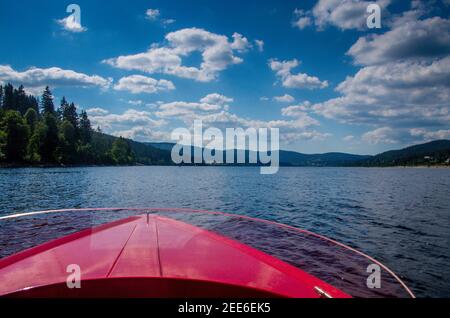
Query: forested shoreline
point(33, 132)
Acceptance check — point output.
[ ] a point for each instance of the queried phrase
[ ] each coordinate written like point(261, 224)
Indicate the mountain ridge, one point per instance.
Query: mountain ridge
point(430, 153)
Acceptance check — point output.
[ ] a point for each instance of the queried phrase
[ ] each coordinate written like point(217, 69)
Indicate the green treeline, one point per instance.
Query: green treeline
point(33, 131)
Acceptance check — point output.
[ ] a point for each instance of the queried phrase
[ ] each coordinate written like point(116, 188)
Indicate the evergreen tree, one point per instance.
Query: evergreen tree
point(1, 96)
point(85, 128)
point(33, 103)
point(68, 142)
point(8, 97)
point(36, 144)
point(51, 140)
point(31, 117)
point(3, 142)
point(62, 107)
point(70, 114)
point(47, 102)
point(121, 152)
point(17, 132)
point(2, 110)
point(21, 100)
point(85, 154)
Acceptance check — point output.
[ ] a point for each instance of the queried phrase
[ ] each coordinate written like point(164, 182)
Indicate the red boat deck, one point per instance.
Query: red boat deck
point(153, 256)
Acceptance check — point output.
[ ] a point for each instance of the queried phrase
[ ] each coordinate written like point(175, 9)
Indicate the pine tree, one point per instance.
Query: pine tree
point(1, 96)
point(33, 103)
point(70, 114)
point(62, 108)
point(17, 133)
point(68, 142)
point(85, 128)
point(36, 144)
point(21, 100)
point(47, 102)
point(51, 140)
point(3, 142)
point(8, 97)
point(121, 152)
point(31, 117)
point(2, 113)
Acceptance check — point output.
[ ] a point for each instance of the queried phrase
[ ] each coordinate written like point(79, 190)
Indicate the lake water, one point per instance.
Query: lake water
point(400, 216)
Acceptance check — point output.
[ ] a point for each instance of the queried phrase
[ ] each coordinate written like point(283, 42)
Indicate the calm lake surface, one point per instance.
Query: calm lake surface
point(400, 216)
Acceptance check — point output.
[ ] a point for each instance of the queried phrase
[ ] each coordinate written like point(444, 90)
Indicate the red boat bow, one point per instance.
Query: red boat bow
point(154, 256)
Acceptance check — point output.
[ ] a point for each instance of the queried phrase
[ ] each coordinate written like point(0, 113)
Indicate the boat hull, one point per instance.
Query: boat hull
point(158, 257)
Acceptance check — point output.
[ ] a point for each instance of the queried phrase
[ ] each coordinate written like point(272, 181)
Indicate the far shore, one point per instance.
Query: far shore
point(48, 166)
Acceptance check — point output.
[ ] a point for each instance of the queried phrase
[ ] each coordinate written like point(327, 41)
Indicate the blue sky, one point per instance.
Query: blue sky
point(311, 68)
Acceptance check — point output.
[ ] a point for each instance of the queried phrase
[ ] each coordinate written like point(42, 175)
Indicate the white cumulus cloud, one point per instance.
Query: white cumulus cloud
point(155, 15)
point(286, 98)
point(260, 45)
point(413, 39)
point(383, 135)
point(213, 112)
point(302, 19)
point(283, 70)
point(35, 78)
point(152, 14)
point(216, 99)
point(407, 93)
point(131, 118)
point(344, 14)
point(138, 84)
point(70, 24)
point(96, 111)
point(296, 110)
point(217, 51)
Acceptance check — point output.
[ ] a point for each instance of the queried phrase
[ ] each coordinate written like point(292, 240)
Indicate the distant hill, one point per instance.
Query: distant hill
point(161, 145)
point(291, 158)
point(431, 153)
point(332, 159)
point(145, 154)
point(434, 152)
